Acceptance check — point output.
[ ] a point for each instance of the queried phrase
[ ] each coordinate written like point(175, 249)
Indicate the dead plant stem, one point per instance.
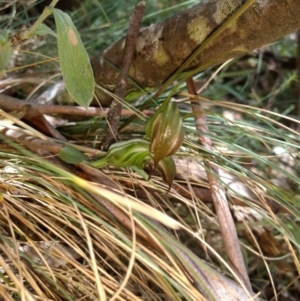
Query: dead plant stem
point(8, 104)
point(113, 118)
point(227, 226)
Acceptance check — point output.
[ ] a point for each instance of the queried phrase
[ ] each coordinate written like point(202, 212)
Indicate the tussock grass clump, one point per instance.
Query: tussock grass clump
point(69, 232)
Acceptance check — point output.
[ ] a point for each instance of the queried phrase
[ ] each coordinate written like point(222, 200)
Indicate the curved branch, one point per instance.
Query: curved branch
point(163, 47)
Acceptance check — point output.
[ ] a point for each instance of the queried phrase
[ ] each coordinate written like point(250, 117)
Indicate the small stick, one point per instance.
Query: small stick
point(41, 123)
point(227, 226)
point(8, 104)
point(113, 118)
point(33, 143)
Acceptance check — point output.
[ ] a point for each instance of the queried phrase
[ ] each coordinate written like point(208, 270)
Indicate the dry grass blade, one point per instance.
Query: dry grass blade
point(42, 207)
point(227, 226)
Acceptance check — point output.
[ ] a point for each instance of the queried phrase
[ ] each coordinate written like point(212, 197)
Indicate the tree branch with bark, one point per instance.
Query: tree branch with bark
point(162, 48)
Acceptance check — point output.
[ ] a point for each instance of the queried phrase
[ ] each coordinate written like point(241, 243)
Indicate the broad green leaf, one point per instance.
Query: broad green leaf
point(74, 60)
point(71, 155)
point(133, 152)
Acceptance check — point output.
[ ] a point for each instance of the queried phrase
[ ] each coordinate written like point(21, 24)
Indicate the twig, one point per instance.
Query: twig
point(296, 110)
point(33, 143)
point(41, 123)
point(114, 113)
point(8, 103)
point(227, 226)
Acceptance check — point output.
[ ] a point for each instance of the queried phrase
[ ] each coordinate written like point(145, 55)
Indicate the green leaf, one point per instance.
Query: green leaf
point(133, 152)
point(167, 168)
point(44, 30)
point(3, 37)
point(5, 50)
point(74, 60)
point(71, 155)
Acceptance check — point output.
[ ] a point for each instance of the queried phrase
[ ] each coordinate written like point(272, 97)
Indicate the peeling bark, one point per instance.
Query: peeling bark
point(163, 47)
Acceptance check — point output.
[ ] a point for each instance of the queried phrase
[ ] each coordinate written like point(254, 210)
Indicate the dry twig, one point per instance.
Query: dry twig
point(8, 103)
point(116, 107)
